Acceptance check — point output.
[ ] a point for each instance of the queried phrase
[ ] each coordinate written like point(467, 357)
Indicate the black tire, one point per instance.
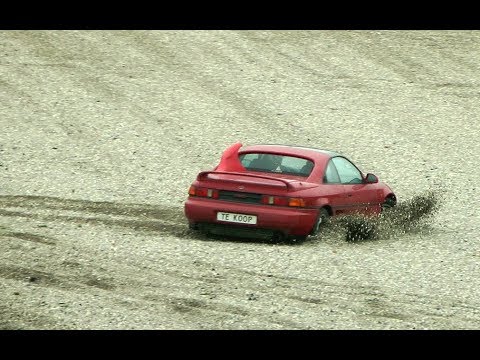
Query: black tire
point(193, 226)
point(322, 219)
point(279, 237)
point(389, 203)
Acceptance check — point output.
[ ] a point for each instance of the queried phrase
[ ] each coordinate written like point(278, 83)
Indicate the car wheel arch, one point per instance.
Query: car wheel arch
point(391, 197)
point(328, 208)
point(323, 202)
point(321, 219)
point(389, 202)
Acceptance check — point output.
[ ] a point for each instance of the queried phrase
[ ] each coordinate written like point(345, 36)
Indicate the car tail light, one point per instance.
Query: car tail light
point(275, 200)
point(282, 201)
point(203, 192)
point(296, 202)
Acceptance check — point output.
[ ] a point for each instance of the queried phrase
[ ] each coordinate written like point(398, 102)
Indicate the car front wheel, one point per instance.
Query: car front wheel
point(389, 203)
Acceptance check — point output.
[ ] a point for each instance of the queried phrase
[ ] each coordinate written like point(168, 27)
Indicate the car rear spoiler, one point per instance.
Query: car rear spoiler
point(204, 174)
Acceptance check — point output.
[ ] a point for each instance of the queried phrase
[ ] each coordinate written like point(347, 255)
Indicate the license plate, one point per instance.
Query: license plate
point(237, 218)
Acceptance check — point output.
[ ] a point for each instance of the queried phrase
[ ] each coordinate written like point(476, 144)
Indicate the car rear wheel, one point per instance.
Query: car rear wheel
point(193, 226)
point(322, 219)
point(323, 216)
point(279, 237)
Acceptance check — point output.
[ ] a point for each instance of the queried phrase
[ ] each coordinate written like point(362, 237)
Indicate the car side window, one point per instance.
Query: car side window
point(347, 172)
point(331, 174)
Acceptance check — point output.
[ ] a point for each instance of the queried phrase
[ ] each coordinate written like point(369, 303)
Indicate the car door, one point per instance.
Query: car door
point(334, 190)
point(358, 197)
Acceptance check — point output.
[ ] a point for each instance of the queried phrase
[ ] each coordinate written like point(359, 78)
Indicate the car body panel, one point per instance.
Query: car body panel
point(291, 221)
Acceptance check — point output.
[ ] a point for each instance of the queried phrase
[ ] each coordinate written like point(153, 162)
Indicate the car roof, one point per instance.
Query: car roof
point(315, 153)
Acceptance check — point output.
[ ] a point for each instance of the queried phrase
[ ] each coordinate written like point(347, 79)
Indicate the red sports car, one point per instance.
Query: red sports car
point(281, 191)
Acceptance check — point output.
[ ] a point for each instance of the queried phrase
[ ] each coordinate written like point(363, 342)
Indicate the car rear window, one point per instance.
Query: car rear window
point(283, 164)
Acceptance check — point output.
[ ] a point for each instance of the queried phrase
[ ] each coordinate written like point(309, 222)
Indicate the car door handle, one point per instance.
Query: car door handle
point(349, 195)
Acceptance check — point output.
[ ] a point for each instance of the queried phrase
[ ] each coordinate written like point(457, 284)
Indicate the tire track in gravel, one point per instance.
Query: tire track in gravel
point(136, 216)
point(64, 281)
point(28, 237)
point(72, 276)
point(22, 318)
point(318, 296)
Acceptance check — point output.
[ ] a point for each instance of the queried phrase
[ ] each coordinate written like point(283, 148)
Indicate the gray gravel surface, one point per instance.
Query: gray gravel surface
point(102, 132)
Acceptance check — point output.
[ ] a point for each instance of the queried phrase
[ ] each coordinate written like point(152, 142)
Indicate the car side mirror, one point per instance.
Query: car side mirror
point(371, 179)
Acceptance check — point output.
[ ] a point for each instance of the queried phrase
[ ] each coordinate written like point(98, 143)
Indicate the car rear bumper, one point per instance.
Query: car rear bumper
point(291, 221)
